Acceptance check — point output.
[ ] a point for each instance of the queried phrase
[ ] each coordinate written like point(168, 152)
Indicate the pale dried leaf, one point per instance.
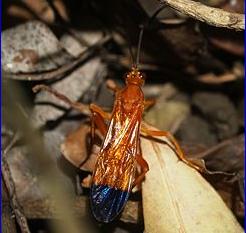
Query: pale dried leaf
point(177, 199)
point(31, 47)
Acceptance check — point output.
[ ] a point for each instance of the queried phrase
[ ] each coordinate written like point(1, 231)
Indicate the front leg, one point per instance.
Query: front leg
point(98, 117)
point(112, 85)
point(73, 104)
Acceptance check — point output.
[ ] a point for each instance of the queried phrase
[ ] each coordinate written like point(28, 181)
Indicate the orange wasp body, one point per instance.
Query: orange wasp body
point(115, 170)
point(114, 174)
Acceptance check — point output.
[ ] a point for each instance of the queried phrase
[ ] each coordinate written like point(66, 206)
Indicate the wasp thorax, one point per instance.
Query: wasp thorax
point(135, 77)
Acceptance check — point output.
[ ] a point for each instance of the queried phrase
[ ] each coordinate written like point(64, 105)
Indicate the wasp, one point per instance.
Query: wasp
point(120, 153)
point(115, 171)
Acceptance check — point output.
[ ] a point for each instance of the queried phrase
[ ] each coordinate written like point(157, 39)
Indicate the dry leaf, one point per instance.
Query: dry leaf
point(177, 199)
point(74, 149)
point(44, 10)
point(19, 12)
point(32, 47)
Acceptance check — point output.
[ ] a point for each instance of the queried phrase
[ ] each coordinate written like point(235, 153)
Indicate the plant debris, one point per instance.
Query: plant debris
point(70, 53)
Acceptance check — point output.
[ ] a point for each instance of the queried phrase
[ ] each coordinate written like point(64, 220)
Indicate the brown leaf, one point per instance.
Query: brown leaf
point(75, 149)
point(45, 11)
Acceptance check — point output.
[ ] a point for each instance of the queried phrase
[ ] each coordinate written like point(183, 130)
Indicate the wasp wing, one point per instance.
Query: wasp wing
point(116, 163)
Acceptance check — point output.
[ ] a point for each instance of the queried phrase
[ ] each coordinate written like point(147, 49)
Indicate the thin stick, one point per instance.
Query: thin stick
point(156, 13)
point(210, 15)
point(217, 147)
point(9, 183)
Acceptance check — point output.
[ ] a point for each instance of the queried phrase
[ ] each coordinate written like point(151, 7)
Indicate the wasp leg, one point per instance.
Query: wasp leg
point(149, 103)
point(144, 169)
point(177, 148)
point(76, 105)
point(98, 117)
point(96, 109)
point(112, 85)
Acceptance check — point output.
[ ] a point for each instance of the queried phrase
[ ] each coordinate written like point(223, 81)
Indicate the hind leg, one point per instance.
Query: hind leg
point(149, 103)
point(144, 169)
point(177, 148)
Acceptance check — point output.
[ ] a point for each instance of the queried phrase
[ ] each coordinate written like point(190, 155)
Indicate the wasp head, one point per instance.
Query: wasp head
point(135, 77)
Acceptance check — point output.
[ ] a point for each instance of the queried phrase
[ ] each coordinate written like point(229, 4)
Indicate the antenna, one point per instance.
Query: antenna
point(129, 47)
point(140, 37)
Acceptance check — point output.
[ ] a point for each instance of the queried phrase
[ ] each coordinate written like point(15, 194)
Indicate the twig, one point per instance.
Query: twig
point(211, 78)
point(218, 146)
point(210, 15)
point(8, 180)
point(11, 143)
point(8, 222)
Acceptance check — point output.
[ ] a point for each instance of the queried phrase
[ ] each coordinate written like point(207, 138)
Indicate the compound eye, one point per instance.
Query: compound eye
point(143, 76)
point(126, 76)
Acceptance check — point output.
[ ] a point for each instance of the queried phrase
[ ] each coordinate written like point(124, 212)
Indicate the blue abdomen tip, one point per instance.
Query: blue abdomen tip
point(107, 202)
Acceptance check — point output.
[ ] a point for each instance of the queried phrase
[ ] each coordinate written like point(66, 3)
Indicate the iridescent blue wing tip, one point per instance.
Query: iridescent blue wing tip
point(107, 202)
